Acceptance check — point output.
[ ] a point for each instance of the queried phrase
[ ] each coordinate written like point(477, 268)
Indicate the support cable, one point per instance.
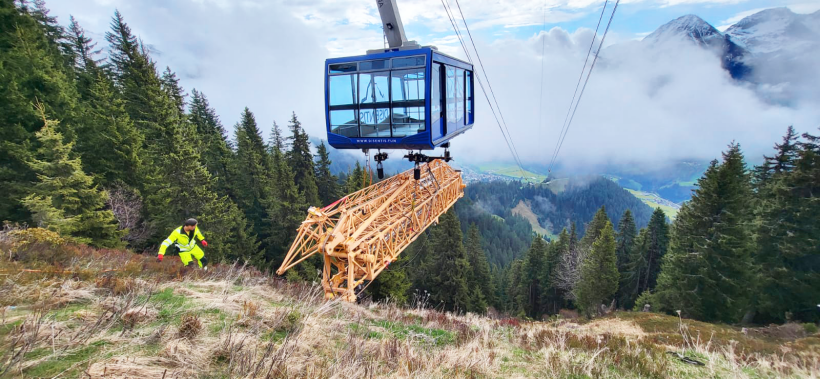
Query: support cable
point(508, 141)
point(568, 118)
point(489, 85)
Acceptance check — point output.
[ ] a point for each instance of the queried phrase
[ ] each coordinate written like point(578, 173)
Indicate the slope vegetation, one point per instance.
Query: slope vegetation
point(71, 311)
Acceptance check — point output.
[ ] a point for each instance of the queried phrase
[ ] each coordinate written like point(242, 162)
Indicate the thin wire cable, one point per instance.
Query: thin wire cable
point(543, 50)
point(508, 141)
point(489, 85)
point(577, 85)
point(597, 52)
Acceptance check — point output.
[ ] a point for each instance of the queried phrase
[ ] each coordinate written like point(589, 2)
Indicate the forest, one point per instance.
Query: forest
point(111, 151)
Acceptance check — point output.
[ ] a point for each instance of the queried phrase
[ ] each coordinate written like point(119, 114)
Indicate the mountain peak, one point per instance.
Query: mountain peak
point(769, 30)
point(689, 27)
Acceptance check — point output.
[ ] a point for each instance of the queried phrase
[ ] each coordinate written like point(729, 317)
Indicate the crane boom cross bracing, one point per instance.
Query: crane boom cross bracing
point(361, 234)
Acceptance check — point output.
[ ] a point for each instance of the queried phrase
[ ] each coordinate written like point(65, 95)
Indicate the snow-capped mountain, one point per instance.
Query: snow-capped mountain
point(776, 50)
point(777, 29)
point(695, 29)
point(689, 27)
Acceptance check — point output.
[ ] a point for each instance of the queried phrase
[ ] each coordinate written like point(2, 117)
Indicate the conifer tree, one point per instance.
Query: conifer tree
point(535, 271)
point(172, 88)
point(326, 182)
point(137, 80)
point(30, 74)
point(64, 199)
point(356, 179)
point(786, 280)
point(393, 283)
point(448, 282)
point(481, 281)
point(286, 212)
point(85, 54)
point(216, 150)
point(108, 141)
point(594, 227)
point(632, 277)
point(625, 239)
point(253, 187)
point(300, 160)
point(599, 272)
point(656, 245)
point(707, 272)
point(516, 290)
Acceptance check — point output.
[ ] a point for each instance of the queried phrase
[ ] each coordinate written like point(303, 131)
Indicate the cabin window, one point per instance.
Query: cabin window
point(367, 99)
point(407, 91)
point(452, 117)
point(341, 68)
point(435, 95)
point(381, 64)
point(374, 102)
point(460, 96)
point(417, 61)
point(468, 85)
point(342, 101)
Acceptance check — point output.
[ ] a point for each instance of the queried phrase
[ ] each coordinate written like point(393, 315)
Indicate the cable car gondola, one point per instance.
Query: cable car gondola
point(402, 97)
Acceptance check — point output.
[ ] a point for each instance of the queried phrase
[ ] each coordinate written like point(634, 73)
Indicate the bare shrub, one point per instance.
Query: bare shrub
point(568, 274)
point(189, 327)
point(126, 204)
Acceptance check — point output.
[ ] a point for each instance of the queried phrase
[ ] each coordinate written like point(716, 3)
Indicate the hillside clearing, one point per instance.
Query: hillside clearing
point(523, 209)
point(115, 314)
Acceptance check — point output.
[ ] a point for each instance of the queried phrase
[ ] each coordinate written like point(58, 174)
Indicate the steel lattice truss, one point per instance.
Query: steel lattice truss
point(362, 233)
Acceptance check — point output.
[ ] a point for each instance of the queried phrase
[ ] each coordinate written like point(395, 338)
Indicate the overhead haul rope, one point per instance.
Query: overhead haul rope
point(507, 140)
point(568, 123)
point(543, 59)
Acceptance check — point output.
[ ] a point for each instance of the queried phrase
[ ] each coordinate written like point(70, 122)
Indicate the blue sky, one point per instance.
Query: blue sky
point(641, 105)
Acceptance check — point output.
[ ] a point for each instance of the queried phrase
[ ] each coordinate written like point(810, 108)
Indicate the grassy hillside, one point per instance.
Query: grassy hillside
point(71, 311)
point(524, 210)
point(512, 171)
point(654, 201)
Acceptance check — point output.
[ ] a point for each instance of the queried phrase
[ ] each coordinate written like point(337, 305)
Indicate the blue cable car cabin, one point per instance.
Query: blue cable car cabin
point(413, 99)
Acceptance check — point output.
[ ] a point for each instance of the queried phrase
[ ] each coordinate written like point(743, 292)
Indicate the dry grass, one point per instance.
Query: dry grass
point(235, 322)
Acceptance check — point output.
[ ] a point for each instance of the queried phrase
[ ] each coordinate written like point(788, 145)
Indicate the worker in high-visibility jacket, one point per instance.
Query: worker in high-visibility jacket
point(185, 237)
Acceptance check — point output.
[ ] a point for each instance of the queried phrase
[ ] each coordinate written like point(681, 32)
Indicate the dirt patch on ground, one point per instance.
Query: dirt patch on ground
point(791, 331)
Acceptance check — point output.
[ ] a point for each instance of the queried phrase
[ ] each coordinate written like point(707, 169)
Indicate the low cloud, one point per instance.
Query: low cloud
point(643, 104)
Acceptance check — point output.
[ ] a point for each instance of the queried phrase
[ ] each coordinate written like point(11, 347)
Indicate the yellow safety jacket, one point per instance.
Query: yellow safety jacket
point(185, 241)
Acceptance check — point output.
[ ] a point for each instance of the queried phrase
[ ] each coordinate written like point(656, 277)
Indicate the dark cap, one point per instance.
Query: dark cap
point(190, 222)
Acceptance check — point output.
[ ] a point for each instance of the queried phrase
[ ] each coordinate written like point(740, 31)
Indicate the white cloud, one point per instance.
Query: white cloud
point(640, 105)
point(725, 24)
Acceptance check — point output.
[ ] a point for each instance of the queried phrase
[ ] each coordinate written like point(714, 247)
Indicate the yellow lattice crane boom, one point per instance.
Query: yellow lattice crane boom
point(362, 233)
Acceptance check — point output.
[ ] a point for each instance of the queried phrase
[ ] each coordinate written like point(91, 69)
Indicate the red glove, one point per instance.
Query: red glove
point(159, 258)
point(204, 243)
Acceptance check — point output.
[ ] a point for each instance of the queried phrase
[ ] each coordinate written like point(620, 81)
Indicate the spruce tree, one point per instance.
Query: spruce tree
point(656, 246)
point(64, 199)
point(599, 272)
point(253, 188)
point(481, 281)
point(326, 182)
point(216, 150)
point(300, 160)
point(708, 269)
point(172, 88)
point(535, 271)
point(593, 229)
point(787, 280)
point(108, 141)
point(85, 54)
point(286, 211)
point(31, 74)
point(393, 282)
point(625, 239)
point(448, 281)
